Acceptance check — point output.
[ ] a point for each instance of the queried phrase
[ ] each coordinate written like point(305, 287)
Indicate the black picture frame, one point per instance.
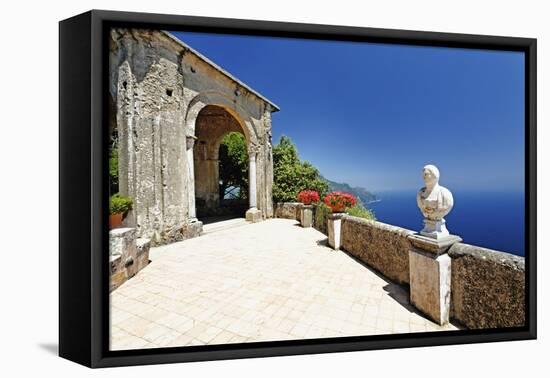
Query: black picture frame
point(83, 213)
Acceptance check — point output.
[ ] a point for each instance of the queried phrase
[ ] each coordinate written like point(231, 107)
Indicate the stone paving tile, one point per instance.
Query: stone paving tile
point(265, 281)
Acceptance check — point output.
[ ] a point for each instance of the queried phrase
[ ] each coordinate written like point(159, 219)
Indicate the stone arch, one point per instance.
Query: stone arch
point(241, 116)
point(218, 99)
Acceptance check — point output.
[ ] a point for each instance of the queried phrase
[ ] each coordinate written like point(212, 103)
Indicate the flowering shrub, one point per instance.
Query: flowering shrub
point(308, 196)
point(339, 201)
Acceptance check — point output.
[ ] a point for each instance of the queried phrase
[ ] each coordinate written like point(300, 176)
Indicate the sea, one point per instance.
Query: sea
point(486, 219)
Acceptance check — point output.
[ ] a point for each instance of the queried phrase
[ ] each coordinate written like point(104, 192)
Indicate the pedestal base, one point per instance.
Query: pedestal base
point(430, 283)
point(306, 216)
point(192, 229)
point(432, 245)
point(253, 215)
point(335, 230)
point(435, 229)
point(430, 275)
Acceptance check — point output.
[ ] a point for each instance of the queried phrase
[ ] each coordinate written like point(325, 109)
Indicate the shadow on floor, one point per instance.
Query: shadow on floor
point(398, 292)
point(401, 295)
point(220, 218)
point(323, 242)
point(51, 348)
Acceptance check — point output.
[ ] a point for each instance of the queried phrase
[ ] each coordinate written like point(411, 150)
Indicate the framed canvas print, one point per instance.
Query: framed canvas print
point(234, 188)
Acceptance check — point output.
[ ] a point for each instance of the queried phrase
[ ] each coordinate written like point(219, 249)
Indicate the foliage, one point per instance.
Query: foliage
point(340, 201)
point(113, 170)
point(322, 212)
point(233, 158)
point(290, 175)
point(119, 204)
point(308, 196)
point(361, 212)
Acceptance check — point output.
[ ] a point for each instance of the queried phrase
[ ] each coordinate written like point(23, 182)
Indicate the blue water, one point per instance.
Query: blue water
point(485, 219)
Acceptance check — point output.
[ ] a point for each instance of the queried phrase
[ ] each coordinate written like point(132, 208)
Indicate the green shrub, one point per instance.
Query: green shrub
point(113, 170)
point(321, 215)
point(361, 212)
point(119, 204)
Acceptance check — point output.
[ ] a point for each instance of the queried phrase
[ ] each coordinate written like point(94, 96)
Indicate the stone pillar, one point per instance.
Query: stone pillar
point(190, 143)
point(193, 227)
point(335, 230)
point(430, 275)
point(252, 214)
point(306, 216)
point(252, 193)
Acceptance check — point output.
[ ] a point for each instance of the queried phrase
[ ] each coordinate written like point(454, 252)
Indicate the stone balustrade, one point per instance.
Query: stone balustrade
point(381, 246)
point(487, 287)
point(288, 210)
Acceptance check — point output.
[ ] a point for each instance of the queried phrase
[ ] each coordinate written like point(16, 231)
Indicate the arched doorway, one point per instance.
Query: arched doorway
point(214, 198)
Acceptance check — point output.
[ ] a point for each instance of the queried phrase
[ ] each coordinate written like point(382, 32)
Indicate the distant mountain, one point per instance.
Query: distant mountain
point(362, 194)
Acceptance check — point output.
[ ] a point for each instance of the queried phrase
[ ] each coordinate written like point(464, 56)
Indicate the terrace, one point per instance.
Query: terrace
point(247, 282)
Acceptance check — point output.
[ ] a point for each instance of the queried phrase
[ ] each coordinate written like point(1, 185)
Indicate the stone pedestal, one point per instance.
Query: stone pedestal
point(253, 215)
point(435, 229)
point(128, 255)
point(143, 246)
point(335, 230)
point(192, 229)
point(430, 275)
point(306, 216)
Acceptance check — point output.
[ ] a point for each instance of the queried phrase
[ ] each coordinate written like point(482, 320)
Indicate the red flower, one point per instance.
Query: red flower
point(339, 201)
point(308, 196)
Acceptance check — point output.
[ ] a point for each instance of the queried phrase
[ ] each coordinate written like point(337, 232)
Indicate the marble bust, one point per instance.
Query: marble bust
point(435, 202)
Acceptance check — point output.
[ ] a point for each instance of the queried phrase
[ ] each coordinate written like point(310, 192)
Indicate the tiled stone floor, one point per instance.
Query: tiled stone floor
point(266, 281)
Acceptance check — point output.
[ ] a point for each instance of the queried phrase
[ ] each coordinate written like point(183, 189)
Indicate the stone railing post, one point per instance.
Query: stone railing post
point(252, 214)
point(334, 223)
point(429, 263)
point(306, 216)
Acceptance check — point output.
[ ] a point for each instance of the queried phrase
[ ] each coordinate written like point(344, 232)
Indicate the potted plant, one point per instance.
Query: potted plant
point(340, 201)
point(307, 197)
point(118, 206)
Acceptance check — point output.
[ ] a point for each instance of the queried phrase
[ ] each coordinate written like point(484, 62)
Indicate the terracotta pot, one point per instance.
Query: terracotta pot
point(339, 209)
point(115, 220)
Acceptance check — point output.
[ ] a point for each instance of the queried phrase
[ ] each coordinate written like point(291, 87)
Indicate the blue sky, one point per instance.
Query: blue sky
point(373, 115)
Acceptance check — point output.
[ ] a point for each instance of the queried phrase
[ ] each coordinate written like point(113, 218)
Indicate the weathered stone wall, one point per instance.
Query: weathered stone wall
point(487, 287)
point(158, 87)
point(288, 210)
point(379, 245)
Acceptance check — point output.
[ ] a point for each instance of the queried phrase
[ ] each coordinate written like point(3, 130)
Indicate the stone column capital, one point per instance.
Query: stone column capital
point(190, 141)
point(253, 150)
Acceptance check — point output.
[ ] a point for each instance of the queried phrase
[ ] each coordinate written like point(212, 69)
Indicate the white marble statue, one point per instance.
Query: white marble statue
point(435, 202)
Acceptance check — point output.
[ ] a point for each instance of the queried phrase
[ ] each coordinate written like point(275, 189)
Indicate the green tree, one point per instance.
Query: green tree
point(233, 160)
point(290, 175)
